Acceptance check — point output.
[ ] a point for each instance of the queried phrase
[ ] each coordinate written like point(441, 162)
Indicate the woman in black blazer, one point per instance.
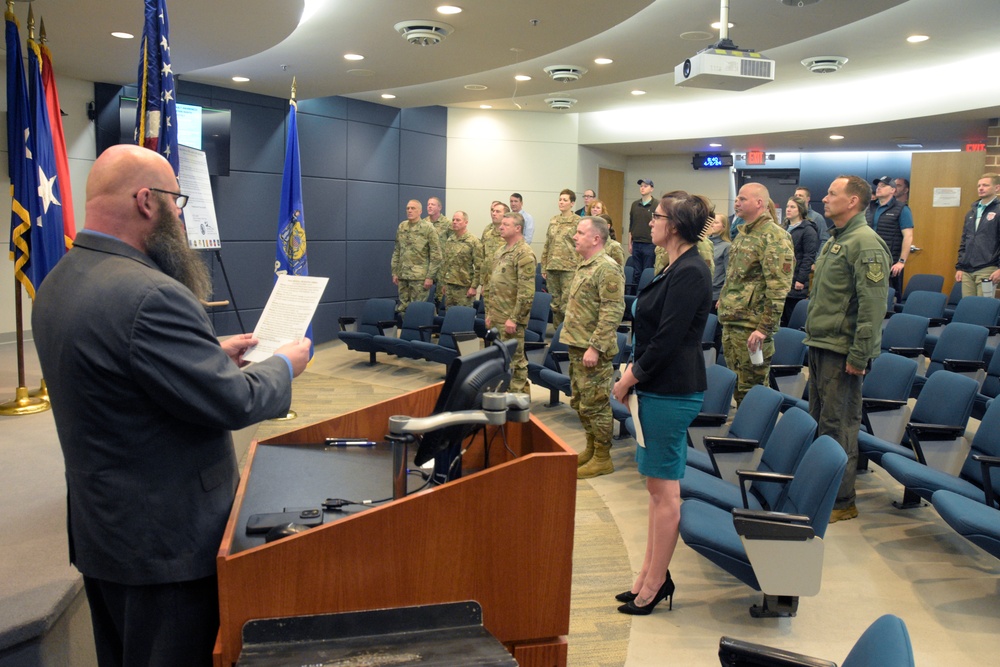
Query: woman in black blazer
point(669, 376)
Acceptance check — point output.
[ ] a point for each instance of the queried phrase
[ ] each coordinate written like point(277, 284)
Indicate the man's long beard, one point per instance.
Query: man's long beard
point(167, 246)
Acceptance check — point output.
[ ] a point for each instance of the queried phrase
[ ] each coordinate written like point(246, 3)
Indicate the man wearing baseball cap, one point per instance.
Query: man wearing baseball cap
point(640, 242)
point(894, 223)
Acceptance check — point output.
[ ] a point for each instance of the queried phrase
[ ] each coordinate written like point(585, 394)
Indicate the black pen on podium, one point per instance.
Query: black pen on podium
point(349, 442)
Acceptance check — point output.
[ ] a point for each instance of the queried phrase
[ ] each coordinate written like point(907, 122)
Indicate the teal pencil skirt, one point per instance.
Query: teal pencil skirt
point(665, 419)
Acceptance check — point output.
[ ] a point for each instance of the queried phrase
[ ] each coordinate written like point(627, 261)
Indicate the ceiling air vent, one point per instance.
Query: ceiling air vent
point(824, 64)
point(565, 73)
point(560, 102)
point(423, 33)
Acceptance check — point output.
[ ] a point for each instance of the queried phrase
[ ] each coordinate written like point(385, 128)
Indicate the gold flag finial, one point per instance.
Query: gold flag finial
point(41, 30)
point(293, 87)
point(31, 23)
point(10, 7)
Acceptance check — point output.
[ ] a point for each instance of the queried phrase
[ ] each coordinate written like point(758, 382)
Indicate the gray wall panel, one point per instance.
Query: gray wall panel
point(373, 211)
point(422, 159)
point(327, 259)
point(331, 107)
point(325, 203)
point(430, 120)
point(368, 266)
point(377, 114)
point(258, 139)
point(246, 205)
point(325, 144)
point(372, 153)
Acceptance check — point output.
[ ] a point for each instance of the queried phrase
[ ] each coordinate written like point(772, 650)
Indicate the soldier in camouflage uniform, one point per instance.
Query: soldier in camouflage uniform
point(510, 292)
point(491, 242)
point(844, 324)
point(559, 258)
point(460, 266)
point(442, 225)
point(758, 278)
point(416, 258)
point(593, 313)
point(706, 249)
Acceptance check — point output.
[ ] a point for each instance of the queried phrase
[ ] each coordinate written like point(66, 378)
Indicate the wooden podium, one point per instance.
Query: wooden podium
point(502, 536)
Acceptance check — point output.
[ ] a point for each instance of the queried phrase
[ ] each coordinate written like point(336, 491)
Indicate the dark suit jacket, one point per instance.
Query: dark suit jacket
point(143, 398)
point(669, 320)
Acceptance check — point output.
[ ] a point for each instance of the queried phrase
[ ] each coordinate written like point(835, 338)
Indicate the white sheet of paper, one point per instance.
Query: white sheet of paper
point(287, 315)
point(199, 214)
point(633, 407)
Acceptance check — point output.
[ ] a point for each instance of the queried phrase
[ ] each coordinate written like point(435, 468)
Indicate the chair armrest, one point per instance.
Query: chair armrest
point(738, 653)
point(937, 321)
point(916, 432)
point(784, 370)
point(908, 352)
point(881, 404)
point(385, 324)
point(994, 330)
point(763, 525)
point(531, 345)
point(709, 419)
point(754, 475)
point(432, 328)
point(560, 355)
point(963, 365)
point(346, 320)
point(987, 462)
point(721, 444)
point(708, 345)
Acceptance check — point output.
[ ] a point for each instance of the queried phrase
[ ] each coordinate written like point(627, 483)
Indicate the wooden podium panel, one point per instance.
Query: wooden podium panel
point(502, 536)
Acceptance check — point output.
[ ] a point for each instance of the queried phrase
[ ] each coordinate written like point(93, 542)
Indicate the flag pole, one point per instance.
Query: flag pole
point(23, 404)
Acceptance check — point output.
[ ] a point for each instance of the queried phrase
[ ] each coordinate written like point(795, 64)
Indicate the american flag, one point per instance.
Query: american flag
point(156, 116)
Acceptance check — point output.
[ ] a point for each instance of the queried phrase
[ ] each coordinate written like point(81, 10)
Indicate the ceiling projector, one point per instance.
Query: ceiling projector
point(724, 69)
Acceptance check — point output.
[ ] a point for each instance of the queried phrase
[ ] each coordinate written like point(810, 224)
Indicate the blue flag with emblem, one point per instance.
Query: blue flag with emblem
point(156, 112)
point(48, 241)
point(290, 257)
point(22, 178)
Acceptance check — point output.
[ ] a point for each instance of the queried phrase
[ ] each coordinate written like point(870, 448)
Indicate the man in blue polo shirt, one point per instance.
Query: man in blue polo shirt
point(894, 223)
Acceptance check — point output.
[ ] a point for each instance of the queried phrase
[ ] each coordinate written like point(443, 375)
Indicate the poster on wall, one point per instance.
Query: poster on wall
point(199, 214)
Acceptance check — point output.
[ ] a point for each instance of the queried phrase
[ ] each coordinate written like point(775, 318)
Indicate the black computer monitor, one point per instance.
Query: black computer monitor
point(469, 377)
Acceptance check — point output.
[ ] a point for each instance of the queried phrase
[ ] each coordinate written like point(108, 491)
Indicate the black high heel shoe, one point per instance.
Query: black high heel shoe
point(666, 591)
point(628, 595)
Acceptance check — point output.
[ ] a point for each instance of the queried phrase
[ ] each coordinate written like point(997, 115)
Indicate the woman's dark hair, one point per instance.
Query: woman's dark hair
point(800, 204)
point(689, 214)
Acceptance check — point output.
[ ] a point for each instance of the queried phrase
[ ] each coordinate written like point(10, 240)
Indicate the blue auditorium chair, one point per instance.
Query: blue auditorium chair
point(778, 552)
point(558, 381)
point(538, 320)
point(959, 350)
point(921, 282)
point(785, 374)
point(926, 304)
point(990, 388)
point(975, 521)
point(708, 339)
point(377, 315)
point(954, 298)
point(752, 425)
point(715, 408)
point(905, 334)
point(921, 481)
point(456, 327)
point(884, 393)
point(418, 314)
point(885, 643)
point(980, 310)
point(791, 437)
point(940, 416)
point(797, 320)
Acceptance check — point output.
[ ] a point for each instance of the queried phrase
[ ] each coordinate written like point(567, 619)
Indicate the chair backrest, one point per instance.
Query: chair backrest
point(956, 294)
point(456, 318)
point(538, 320)
point(991, 383)
point(817, 478)
point(711, 324)
point(986, 441)
point(946, 398)
point(373, 312)
point(923, 282)
point(418, 314)
point(891, 377)
point(981, 310)
point(555, 345)
point(904, 330)
point(797, 319)
point(645, 278)
point(958, 341)
point(757, 414)
point(539, 280)
point(719, 394)
point(791, 437)
point(789, 347)
point(885, 643)
point(624, 350)
point(926, 304)
point(890, 299)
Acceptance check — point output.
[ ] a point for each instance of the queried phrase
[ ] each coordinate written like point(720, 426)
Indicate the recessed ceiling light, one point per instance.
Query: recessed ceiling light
point(353, 56)
point(449, 9)
point(638, 92)
point(522, 77)
point(697, 36)
point(240, 79)
point(910, 146)
point(123, 35)
point(388, 96)
point(603, 61)
point(485, 106)
point(836, 137)
point(718, 24)
point(474, 86)
point(916, 39)
point(715, 145)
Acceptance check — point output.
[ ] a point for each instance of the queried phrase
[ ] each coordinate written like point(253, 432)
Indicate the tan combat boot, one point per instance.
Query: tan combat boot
point(586, 454)
point(599, 464)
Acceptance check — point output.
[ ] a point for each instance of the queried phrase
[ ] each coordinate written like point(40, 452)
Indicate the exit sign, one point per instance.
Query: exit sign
point(973, 148)
point(756, 158)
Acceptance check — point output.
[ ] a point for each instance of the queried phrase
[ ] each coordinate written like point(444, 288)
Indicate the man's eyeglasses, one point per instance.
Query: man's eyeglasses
point(180, 201)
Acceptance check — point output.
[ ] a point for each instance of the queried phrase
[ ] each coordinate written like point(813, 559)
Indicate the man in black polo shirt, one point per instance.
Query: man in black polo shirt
point(640, 242)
